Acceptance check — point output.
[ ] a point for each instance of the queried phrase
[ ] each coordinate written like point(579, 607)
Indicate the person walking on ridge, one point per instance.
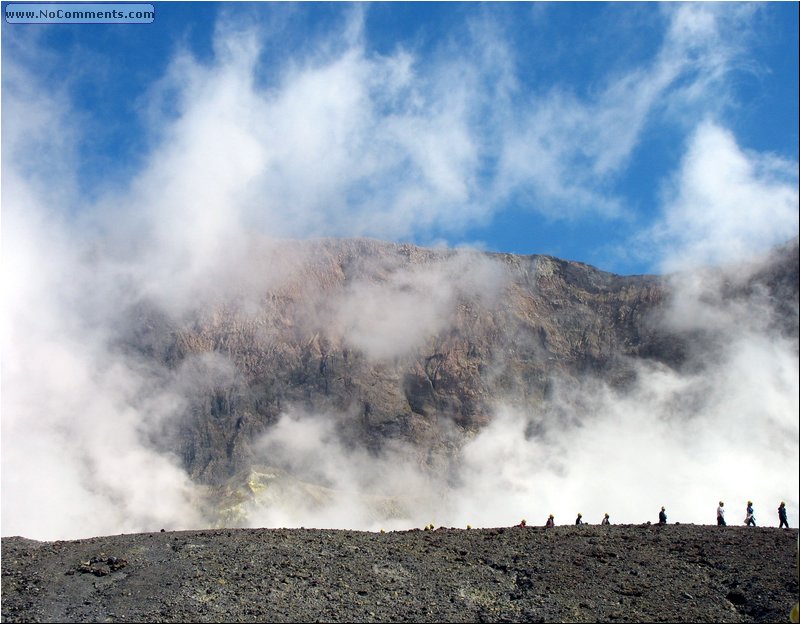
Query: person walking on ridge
point(550, 522)
point(605, 520)
point(750, 518)
point(782, 516)
point(578, 520)
point(721, 514)
point(662, 516)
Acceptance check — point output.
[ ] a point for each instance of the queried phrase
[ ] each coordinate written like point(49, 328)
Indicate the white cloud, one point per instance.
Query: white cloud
point(348, 142)
point(565, 151)
point(396, 314)
point(725, 204)
point(74, 462)
point(322, 482)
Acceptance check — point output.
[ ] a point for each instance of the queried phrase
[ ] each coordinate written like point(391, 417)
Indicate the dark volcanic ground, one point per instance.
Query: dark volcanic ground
point(674, 573)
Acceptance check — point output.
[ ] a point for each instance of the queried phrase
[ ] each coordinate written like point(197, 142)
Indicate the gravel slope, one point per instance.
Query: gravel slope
point(675, 573)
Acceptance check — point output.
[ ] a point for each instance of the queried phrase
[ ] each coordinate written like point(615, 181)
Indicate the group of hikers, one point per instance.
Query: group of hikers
point(750, 516)
point(749, 520)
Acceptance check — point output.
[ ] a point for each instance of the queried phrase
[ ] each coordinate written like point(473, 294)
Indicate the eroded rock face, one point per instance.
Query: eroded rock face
point(403, 345)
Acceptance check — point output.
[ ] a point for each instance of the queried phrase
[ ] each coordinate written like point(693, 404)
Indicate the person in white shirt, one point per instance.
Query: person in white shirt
point(721, 514)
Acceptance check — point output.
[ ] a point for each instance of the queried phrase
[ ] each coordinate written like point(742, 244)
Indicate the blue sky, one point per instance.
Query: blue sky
point(638, 137)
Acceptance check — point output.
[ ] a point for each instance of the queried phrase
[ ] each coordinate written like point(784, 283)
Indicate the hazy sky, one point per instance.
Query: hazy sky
point(591, 131)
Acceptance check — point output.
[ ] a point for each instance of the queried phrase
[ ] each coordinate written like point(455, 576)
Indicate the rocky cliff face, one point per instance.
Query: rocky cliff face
point(405, 347)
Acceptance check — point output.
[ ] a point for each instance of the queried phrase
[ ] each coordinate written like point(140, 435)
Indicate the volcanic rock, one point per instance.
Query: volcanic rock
point(590, 573)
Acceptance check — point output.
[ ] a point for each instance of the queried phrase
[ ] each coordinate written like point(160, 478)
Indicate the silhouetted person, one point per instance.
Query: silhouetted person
point(605, 520)
point(578, 520)
point(550, 522)
point(662, 516)
point(522, 523)
point(782, 516)
point(750, 518)
point(721, 514)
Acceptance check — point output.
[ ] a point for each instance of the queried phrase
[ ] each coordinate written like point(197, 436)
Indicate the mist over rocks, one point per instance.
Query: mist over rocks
point(358, 384)
point(359, 369)
point(404, 344)
point(400, 347)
